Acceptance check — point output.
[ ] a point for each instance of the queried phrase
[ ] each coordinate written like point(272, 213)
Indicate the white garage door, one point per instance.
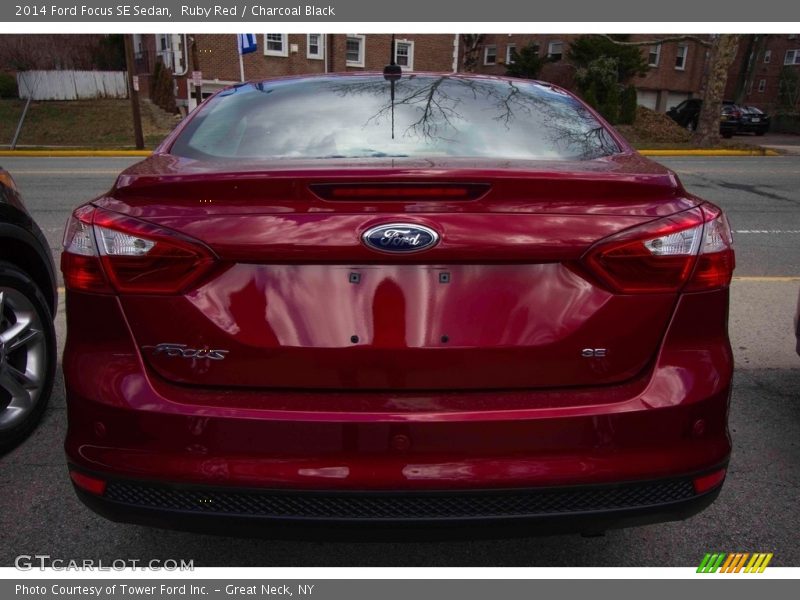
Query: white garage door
point(647, 98)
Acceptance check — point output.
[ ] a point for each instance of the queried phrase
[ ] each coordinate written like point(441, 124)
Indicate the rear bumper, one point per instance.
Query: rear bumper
point(754, 127)
point(370, 514)
point(667, 425)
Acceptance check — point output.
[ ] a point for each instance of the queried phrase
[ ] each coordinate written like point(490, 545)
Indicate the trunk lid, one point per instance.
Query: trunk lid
point(300, 302)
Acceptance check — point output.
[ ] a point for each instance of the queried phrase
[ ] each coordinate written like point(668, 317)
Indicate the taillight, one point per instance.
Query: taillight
point(691, 250)
point(79, 260)
point(105, 251)
point(716, 260)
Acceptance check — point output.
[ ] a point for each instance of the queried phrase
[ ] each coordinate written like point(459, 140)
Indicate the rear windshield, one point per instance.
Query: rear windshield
point(416, 116)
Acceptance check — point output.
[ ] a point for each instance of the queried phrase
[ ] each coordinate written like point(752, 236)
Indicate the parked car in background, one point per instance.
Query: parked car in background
point(730, 120)
point(28, 301)
point(754, 120)
point(687, 114)
point(445, 300)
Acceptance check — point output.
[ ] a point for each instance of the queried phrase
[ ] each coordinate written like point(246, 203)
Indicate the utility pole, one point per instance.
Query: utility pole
point(198, 89)
point(134, 93)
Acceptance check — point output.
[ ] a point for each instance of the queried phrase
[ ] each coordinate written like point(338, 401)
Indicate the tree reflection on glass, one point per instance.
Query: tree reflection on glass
point(419, 116)
point(435, 102)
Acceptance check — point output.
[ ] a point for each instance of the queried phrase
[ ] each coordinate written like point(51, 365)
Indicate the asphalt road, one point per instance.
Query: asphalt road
point(757, 510)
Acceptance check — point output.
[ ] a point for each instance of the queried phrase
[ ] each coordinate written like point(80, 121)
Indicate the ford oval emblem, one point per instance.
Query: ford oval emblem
point(400, 238)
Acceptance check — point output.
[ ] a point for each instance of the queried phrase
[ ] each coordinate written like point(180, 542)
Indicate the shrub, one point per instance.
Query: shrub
point(527, 63)
point(8, 86)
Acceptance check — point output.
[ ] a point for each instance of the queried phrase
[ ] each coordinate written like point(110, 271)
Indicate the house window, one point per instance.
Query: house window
point(762, 85)
point(792, 57)
point(511, 54)
point(275, 44)
point(354, 56)
point(767, 56)
point(404, 54)
point(314, 46)
point(654, 55)
point(490, 55)
point(555, 50)
point(680, 57)
point(164, 45)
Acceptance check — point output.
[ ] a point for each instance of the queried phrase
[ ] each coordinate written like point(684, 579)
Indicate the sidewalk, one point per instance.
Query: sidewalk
point(785, 143)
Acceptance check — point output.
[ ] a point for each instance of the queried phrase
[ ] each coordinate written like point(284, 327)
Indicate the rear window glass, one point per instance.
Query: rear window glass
point(417, 116)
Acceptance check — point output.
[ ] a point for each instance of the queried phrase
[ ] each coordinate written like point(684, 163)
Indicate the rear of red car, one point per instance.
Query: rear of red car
point(467, 301)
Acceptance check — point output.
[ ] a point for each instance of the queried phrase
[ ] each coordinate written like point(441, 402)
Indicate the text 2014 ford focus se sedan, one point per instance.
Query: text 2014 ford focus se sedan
point(437, 299)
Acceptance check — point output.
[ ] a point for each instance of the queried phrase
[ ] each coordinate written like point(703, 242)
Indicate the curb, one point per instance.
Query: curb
point(145, 153)
point(765, 152)
point(76, 153)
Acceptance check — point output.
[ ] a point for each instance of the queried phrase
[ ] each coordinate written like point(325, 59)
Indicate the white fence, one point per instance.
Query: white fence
point(72, 85)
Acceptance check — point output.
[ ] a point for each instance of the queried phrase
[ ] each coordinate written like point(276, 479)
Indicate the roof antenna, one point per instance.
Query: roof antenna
point(391, 73)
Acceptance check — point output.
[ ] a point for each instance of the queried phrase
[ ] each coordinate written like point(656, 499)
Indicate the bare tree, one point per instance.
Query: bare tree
point(472, 46)
point(721, 52)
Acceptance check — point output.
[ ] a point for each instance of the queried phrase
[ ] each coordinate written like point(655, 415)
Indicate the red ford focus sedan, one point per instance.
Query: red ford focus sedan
point(363, 300)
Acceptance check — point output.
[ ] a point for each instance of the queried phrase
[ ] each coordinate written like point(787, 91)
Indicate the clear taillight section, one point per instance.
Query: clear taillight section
point(716, 261)
point(105, 252)
point(691, 251)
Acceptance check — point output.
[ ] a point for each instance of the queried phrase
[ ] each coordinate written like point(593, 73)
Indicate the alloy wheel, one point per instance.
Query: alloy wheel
point(23, 357)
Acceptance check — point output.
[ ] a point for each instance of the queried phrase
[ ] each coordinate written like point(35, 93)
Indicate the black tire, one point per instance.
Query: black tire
point(727, 134)
point(12, 278)
point(760, 133)
point(691, 126)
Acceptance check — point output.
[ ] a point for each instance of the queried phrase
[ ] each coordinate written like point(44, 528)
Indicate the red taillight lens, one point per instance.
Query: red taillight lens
point(132, 256)
point(705, 483)
point(691, 249)
point(140, 258)
point(93, 485)
point(79, 260)
point(716, 261)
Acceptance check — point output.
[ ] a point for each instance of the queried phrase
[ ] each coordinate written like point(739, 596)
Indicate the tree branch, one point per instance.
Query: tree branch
point(676, 38)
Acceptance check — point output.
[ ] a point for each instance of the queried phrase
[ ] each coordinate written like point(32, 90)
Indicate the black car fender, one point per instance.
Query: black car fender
point(24, 245)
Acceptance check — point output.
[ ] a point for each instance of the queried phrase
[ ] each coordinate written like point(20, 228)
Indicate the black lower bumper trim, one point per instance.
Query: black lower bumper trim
point(585, 509)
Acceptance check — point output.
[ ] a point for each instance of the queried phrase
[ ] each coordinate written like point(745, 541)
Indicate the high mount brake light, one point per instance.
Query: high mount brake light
point(106, 252)
point(399, 192)
point(690, 251)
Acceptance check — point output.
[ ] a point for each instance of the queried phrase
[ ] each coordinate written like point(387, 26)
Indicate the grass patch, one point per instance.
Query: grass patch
point(102, 123)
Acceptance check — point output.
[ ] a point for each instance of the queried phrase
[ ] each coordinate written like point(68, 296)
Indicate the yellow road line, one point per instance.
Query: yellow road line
point(66, 172)
point(76, 153)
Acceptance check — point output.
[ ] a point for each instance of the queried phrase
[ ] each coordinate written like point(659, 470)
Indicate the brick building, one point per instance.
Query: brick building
point(281, 54)
point(675, 68)
point(757, 71)
point(675, 72)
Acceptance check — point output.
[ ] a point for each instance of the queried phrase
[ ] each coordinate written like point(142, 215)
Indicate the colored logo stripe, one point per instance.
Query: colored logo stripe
point(734, 563)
